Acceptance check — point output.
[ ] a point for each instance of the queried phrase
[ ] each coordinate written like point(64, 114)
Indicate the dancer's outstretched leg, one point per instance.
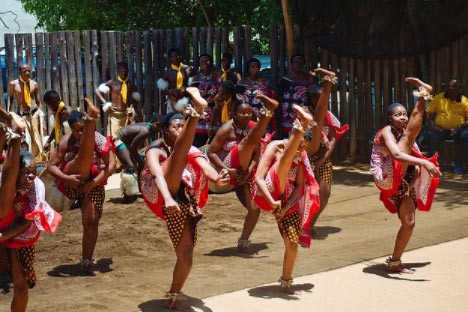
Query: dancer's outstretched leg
point(176, 162)
point(321, 108)
point(249, 143)
point(284, 162)
point(11, 164)
point(417, 115)
point(83, 160)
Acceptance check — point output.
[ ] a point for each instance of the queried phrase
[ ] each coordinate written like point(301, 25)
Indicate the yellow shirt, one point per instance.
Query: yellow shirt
point(448, 114)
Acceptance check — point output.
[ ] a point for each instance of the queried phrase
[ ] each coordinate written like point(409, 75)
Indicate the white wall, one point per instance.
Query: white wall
point(26, 21)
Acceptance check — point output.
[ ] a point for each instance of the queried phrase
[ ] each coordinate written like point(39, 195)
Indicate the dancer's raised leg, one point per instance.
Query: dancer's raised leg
point(249, 143)
point(82, 162)
point(11, 165)
point(417, 115)
point(284, 163)
point(176, 162)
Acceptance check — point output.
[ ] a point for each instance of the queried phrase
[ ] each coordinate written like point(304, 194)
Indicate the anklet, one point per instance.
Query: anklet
point(423, 93)
point(175, 296)
point(243, 243)
point(190, 111)
point(392, 263)
point(297, 125)
point(265, 112)
point(285, 283)
point(330, 78)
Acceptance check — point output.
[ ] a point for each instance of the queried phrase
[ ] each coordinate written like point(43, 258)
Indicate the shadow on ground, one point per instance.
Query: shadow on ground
point(6, 283)
point(380, 269)
point(324, 231)
point(454, 187)
point(188, 305)
point(71, 270)
point(233, 252)
point(274, 291)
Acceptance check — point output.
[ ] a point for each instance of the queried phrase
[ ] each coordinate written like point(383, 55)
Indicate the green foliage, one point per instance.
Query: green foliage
point(123, 15)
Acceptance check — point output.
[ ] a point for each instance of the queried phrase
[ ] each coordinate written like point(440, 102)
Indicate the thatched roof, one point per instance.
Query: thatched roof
point(382, 28)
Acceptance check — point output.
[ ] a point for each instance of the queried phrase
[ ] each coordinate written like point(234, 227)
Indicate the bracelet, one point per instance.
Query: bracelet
point(330, 78)
point(265, 112)
point(423, 93)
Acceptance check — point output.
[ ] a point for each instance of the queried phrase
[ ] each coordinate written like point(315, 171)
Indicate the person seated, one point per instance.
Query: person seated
point(447, 118)
point(128, 140)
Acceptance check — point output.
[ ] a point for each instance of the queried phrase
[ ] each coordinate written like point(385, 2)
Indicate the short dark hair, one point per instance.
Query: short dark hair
point(252, 60)
point(391, 107)
point(297, 55)
point(173, 50)
point(205, 55)
point(229, 86)
point(51, 96)
point(171, 116)
point(227, 55)
point(74, 117)
point(122, 65)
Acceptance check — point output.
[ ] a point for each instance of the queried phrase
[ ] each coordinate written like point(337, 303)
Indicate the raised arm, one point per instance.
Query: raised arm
point(56, 158)
point(264, 165)
point(216, 146)
point(400, 156)
point(152, 160)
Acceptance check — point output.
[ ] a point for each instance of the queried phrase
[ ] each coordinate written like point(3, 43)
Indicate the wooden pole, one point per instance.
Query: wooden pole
point(288, 27)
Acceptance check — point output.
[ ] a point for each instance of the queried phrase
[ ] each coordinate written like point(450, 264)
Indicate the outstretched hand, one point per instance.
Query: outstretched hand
point(223, 177)
point(73, 180)
point(171, 206)
point(434, 171)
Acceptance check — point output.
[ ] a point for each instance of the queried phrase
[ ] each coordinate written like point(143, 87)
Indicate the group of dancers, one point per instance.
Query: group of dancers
point(272, 175)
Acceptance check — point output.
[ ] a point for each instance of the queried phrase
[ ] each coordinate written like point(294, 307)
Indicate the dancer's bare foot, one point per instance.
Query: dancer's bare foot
point(303, 116)
point(198, 102)
point(93, 111)
point(17, 123)
point(323, 71)
point(5, 115)
point(418, 84)
point(269, 103)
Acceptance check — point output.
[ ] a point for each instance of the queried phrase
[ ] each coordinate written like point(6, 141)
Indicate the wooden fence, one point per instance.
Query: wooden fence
point(366, 86)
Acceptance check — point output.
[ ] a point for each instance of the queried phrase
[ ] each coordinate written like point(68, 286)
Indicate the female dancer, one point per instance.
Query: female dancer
point(405, 178)
point(236, 147)
point(77, 166)
point(23, 213)
point(252, 85)
point(293, 90)
point(285, 183)
point(207, 83)
point(174, 185)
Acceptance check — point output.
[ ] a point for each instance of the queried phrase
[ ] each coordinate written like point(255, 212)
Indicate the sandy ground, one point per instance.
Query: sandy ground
point(135, 256)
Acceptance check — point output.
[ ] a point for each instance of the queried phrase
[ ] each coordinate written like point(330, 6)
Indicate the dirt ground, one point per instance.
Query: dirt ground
point(135, 256)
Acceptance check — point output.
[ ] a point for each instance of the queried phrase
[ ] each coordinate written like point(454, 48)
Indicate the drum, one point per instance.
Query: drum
point(216, 189)
point(53, 196)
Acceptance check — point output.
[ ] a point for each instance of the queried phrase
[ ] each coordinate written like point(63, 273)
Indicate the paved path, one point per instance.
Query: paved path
point(438, 285)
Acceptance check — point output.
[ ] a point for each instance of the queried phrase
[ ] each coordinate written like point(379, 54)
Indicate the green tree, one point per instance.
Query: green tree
point(55, 15)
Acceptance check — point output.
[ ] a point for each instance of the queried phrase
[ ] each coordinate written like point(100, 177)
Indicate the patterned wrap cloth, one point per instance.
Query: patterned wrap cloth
point(250, 94)
point(207, 85)
point(28, 206)
point(296, 222)
point(383, 165)
point(192, 196)
point(293, 92)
